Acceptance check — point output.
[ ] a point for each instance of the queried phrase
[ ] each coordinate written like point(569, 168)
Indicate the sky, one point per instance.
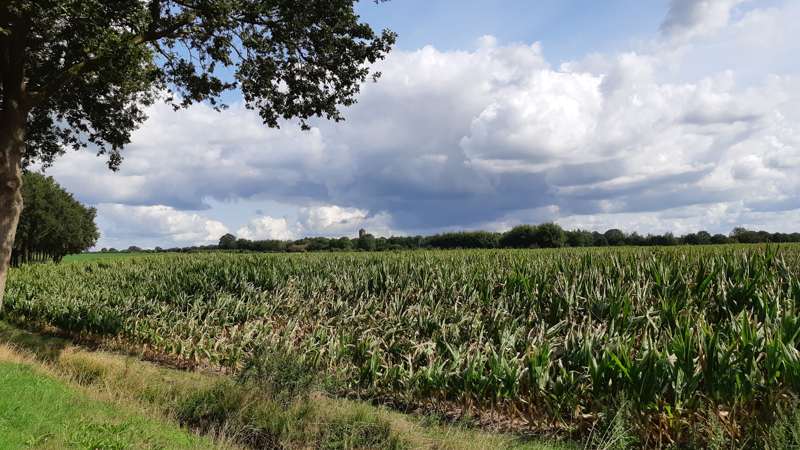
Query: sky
point(649, 116)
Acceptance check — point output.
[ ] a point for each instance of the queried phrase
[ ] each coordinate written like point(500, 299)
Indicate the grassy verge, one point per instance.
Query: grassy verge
point(37, 410)
point(276, 405)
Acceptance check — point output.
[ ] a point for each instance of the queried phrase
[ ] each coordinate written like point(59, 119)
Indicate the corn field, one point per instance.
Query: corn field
point(552, 339)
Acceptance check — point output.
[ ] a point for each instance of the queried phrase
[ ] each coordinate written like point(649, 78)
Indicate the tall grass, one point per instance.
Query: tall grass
point(555, 338)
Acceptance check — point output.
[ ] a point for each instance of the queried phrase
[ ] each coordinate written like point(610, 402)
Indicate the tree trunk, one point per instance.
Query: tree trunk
point(14, 109)
point(12, 143)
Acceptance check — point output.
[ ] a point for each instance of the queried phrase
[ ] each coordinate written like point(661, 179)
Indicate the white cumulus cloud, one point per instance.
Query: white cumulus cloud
point(266, 227)
point(155, 225)
point(320, 220)
point(704, 118)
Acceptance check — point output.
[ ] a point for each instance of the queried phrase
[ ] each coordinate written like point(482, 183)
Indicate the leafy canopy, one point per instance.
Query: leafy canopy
point(546, 235)
point(84, 71)
point(52, 222)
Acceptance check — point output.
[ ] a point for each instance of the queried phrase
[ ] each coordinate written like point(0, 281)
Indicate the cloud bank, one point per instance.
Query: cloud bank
point(676, 134)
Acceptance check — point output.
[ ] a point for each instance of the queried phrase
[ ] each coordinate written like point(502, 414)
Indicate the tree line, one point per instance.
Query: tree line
point(547, 235)
point(52, 224)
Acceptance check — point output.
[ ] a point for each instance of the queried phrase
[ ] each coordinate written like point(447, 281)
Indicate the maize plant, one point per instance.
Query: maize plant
point(554, 338)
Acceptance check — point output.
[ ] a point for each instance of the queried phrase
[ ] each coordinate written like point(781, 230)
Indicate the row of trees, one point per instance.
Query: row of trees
point(548, 235)
point(52, 224)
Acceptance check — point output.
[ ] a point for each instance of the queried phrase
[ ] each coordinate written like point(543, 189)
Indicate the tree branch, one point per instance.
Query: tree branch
point(91, 62)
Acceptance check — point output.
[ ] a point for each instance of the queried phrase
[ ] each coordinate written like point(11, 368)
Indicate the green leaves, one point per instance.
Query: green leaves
point(53, 223)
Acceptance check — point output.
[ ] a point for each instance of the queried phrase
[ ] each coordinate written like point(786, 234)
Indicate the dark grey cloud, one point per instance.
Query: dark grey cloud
point(688, 17)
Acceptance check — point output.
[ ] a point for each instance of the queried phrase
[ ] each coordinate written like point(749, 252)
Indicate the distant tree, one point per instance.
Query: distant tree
point(579, 238)
point(112, 250)
point(614, 237)
point(521, 236)
point(779, 237)
point(381, 244)
point(464, 239)
point(699, 238)
point(703, 237)
point(745, 236)
point(227, 242)
point(719, 239)
point(134, 249)
point(316, 244)
point(244, 244)
point(270, 245)
point(297, 248)
point(690, 239)
point(635, 239)
point(53, 223)
point(343, 243)
point(366, 242)
point(408, 242)
point(550, 235)
point(599, 240)
point(737, 232)
point(663, 239)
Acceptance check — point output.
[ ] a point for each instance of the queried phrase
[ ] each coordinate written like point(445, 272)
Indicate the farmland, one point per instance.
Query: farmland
point(685, 344)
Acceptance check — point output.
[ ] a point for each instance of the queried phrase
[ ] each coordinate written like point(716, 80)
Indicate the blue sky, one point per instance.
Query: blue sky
point(568, 29)
point(651, 116)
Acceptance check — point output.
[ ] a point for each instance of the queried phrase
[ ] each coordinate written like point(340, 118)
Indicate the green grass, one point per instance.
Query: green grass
point(39, 411)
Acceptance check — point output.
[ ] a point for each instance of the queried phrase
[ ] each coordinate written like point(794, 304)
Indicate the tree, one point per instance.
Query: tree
point(366, 241)
point(719, 239)
point(690, 239)
point(668, 239)
point(227, 242)
point(52, 224)
point(599, 240)
point(614, 237)
point(464, 239)
point(343, 243)
point(521, 236)
point(745, 236)
point(579, 238)
point(703, 237)
point(635, 239)
point(550, 235)
point(77, 73)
